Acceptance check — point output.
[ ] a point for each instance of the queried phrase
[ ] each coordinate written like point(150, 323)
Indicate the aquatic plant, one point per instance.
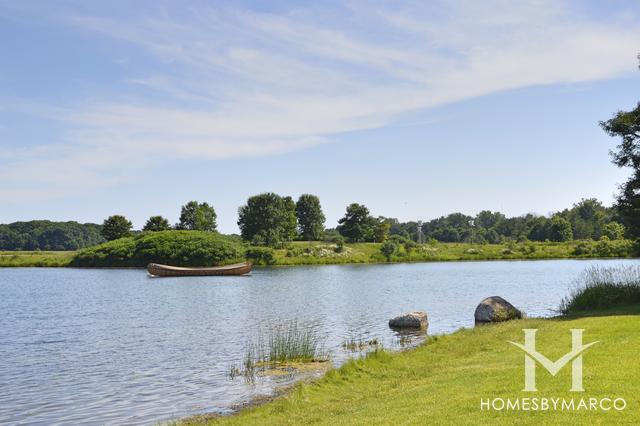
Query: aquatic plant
point(356, 344)
point(601, 287)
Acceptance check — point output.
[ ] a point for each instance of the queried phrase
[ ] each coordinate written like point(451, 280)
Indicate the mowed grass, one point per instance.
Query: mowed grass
point(36, 258)
point(443, 381)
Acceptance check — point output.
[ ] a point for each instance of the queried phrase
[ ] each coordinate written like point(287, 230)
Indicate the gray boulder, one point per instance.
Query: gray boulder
point(495, 309)
point(414, 320)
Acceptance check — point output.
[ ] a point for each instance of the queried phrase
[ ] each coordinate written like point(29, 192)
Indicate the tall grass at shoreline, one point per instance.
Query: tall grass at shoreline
point(604, 287)
point(288, 343)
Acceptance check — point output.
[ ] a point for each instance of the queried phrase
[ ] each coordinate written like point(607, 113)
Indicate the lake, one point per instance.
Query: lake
point(113, 346)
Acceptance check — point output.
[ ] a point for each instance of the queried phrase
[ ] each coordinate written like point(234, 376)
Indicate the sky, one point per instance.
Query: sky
point(415, 109)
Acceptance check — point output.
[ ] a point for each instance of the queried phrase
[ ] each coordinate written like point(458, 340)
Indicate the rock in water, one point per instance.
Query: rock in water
point(414, 320)
point(495, 309)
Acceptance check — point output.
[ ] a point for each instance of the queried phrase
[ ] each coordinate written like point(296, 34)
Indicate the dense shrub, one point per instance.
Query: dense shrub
point(185, 248)
point(604, 248)
point(604, 288)
point(261, 255)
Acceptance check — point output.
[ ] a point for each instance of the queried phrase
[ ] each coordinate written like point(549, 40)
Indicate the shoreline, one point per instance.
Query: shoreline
point(360, 385)
point(321, 253)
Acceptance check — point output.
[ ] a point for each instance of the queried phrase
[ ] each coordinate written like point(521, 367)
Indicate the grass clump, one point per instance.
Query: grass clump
point(444, 381)
point(604, 288)
point(181, 248)
point(291, 342)
point(359, 344)
point(287, 344)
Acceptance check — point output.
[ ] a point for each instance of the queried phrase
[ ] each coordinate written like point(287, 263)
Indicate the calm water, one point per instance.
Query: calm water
point(114, 346)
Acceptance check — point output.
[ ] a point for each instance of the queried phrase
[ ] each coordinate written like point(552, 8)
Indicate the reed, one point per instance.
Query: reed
point(601, 287)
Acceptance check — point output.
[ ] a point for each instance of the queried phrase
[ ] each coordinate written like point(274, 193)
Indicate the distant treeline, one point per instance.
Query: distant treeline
point(48, 235)
point(586, 220)
point(272, 220)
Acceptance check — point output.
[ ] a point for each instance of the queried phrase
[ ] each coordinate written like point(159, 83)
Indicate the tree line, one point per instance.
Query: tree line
point(48, 235)
point(270, 219)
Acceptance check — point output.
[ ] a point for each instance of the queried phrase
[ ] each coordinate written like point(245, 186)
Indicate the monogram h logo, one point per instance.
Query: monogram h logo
point(531, 356)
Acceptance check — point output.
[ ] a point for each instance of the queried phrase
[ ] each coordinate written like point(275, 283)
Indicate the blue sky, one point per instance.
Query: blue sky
point(416, 109)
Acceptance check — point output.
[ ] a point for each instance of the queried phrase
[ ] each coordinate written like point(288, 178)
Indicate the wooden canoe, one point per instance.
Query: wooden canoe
point(158, 270)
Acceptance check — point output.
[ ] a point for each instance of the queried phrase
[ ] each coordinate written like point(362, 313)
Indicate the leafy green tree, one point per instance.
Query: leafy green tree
point(268, 219)
point(356, 225)
point(560, 229)
point(487, 219)
point(587, 218)
point(626, 125)
point(492, 237)
point(196, 216)
point(387, 249)
point(613, 231)
point(115, 227)
point(310, 217)
point(156, 223)
point(538, 228)
point(381, 230)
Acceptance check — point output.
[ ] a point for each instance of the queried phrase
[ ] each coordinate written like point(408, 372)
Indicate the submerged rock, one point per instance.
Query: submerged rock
point(414, 320)
point(495, 309)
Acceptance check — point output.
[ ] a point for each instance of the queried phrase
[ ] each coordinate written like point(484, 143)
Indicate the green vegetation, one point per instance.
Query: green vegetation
point(358, 225)
point(190, 247)
point(290, 342)
point(268, 219)
point(285, 344)
point(604, 288)
point(36, 258)
point(196, 216)
point(115, 227)
point(187, 248)
point(626, 125)
point(310, 217)
point(47, 235)
point(444, 380)
point(308, 253)
point(155, 224)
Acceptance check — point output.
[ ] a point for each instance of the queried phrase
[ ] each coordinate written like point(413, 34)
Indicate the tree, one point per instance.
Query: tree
point(196, 216)
point(310, 217)
point(156, 223)
point(115, 227)
point(387, 249)
point(356, 225)
point(626, 125)
point(613, 231)
point(268, 219)
point(381, 230)
point(487, 219)
point(560, 229)
point(48, 235)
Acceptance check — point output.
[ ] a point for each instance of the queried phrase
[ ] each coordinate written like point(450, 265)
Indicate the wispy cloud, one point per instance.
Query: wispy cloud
point(233, 82)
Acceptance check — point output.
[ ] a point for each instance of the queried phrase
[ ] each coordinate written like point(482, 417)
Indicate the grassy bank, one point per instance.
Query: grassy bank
point(36, 258)
point(192, 248)
point(443, 381)
point(305, 253)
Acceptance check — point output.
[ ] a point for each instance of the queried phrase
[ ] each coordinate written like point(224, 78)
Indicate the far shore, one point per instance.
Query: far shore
point(323, 253)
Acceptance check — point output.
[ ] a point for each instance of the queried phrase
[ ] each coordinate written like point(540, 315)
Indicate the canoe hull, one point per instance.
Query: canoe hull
point(158, 270)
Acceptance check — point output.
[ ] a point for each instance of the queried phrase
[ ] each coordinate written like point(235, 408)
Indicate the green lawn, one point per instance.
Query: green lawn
point(35, 258)
point(443, 381)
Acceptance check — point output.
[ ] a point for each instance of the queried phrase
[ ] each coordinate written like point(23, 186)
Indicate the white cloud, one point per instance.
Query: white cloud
point(240, 83)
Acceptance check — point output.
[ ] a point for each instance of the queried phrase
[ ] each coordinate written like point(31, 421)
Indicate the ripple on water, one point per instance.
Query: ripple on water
point(106, 346)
